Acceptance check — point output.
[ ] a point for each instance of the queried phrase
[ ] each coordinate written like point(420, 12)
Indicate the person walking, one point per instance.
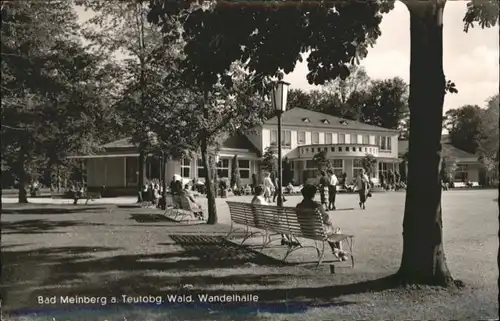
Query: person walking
point(363, 187)
point(332, 189)
point(323, 190)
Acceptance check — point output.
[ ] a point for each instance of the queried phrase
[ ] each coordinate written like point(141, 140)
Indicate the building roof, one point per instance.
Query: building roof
point(231, 142)
point(448, 149)
point(307, 118)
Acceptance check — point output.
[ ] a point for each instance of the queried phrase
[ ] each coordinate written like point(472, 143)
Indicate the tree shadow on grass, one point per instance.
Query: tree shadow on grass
point(40, 226)
point(52, 210)
point(194, 260)
point(150, 218)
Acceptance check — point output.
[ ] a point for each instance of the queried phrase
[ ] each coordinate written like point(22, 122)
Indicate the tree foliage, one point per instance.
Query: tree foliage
point(321, 161)
point(235, 173)
point(369, 163)
point(269, 161)
point(55, 93)
point(464, 127)
point(488, 143)
point(288, 174)
point(386, 103)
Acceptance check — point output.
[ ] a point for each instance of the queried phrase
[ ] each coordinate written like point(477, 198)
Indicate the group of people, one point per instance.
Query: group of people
point(186, 191)
point(328, 183)
point(270, 186)
point(393, 181)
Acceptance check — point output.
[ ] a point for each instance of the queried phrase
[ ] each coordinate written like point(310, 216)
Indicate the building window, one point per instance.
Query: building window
point(384, 143)
point(310, 164)
point(357, 166)
point(132, 170)
point(340, 149)
point(328, 138)
point(383, 168)
point(244, 166)
point(301, 138)
point(332, 149)
point(274, 137)
point(338, 167)
point(341, 138)
point(347, 149)
point(312, 150)
point(315, 138)
point(186, 168)
point(361, 149)
point(354, 138)
point(223, 168)
point(310, 170)
point(200, 168)
point(366, 139)
point(461, 174)
point(286, 138)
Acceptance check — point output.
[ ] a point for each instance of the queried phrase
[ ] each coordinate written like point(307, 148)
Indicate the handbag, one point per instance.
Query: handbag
point(369, 194)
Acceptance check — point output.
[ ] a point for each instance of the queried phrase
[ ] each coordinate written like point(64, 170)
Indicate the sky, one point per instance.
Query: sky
point(471, 60)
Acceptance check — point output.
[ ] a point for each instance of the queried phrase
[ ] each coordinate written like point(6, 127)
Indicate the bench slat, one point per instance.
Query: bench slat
point(285, 220)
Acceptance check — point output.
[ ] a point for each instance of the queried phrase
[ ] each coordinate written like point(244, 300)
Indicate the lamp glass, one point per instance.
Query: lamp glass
point(280, 95)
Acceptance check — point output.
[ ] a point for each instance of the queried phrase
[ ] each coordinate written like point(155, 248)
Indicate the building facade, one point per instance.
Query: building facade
point(304, 133)
point(468, 168)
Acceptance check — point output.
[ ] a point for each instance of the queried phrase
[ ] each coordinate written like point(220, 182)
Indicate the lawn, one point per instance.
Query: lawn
point(110, 251)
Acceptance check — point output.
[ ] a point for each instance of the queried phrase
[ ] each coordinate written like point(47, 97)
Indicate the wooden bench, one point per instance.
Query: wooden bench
point(459, 185)
point(296, 223)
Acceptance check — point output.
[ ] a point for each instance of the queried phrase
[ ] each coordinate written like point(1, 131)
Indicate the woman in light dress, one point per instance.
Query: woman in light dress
point(363, 187)
point(268, 187)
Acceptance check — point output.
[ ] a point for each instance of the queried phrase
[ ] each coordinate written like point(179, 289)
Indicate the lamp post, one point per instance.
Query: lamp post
point(216, 184)
point(279, 98)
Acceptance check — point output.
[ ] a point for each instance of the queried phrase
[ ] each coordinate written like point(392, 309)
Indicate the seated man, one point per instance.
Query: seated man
point(259, 196)
point(308, 192)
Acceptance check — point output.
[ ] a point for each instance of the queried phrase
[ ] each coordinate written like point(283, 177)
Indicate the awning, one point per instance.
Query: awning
point(104, 156)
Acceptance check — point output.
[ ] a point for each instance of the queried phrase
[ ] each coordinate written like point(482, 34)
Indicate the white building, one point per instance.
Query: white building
point(304, 133)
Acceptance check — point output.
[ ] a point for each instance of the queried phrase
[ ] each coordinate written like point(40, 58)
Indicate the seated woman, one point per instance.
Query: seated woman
point(196, 208)
point(308, 192)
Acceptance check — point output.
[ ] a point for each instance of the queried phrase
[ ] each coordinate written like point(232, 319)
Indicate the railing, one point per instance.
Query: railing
point(338, 150)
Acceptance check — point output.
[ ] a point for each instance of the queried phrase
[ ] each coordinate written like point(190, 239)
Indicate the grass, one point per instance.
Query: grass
point(111, 251)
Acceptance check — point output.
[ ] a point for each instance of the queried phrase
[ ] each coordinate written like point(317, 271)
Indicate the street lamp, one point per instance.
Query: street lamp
point(216, 184)
point(279, 98)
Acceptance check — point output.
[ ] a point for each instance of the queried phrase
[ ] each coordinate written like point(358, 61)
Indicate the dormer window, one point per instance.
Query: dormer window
point(343, 122)
point(325, 121)
point(306, 120)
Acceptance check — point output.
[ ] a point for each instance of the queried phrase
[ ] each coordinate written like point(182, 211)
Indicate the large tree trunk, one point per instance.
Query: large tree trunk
point(212, 209)
point(22, 194)
point(423, 260)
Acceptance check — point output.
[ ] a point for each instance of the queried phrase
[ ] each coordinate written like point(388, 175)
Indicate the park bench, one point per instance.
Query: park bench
point(475, 184)
point(296, 223)
point(181, 208)
point(90, 196)
point(459, 185)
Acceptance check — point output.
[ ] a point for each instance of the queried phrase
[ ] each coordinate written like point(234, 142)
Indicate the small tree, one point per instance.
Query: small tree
point(448, 168)
point(369, 162)
point(287, 171)
point(269, 161)
point(321, 161)
point(235, 173)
